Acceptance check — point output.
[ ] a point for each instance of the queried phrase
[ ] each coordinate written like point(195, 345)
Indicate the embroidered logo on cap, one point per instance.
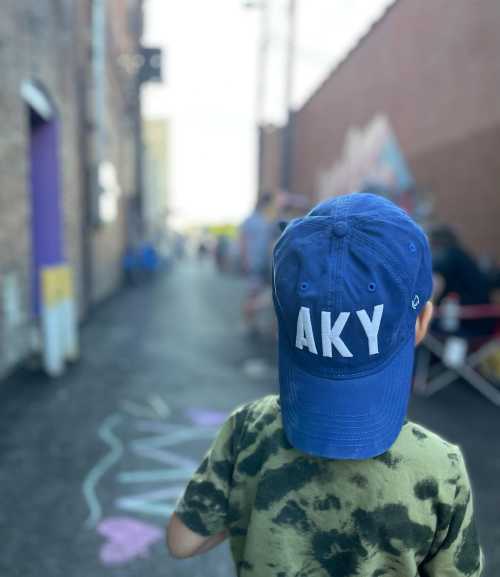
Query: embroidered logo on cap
point(330, 335)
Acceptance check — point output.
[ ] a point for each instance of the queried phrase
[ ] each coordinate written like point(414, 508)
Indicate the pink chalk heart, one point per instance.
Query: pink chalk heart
point(126, 539)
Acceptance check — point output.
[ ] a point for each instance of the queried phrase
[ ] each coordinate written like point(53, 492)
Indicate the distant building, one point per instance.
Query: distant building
point(63, 194)
point(415, 105)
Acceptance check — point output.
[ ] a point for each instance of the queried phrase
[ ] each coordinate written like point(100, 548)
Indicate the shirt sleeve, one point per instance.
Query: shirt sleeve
point(459, 553)
point(203, 508)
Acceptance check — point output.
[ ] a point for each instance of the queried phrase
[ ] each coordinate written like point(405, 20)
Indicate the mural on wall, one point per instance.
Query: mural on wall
point(371, 157)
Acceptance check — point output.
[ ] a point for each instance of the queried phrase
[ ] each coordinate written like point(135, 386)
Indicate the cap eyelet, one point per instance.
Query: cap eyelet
point(372, 286)
point(304, 286)
point(412, 247)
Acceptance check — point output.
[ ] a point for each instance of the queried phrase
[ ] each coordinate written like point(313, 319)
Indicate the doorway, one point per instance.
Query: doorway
point(46, 209)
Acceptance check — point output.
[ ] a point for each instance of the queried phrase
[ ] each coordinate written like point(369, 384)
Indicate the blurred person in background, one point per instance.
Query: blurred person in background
point(457, 273)
point(222, 248)
point(256, 238)
point(179, 246)
point(292, 206)
point(204, 245)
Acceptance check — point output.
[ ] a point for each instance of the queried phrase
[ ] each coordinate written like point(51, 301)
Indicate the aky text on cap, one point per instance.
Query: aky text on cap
point(330, 335)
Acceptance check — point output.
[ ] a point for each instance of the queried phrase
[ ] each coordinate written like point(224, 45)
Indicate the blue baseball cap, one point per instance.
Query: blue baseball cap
point(349, 280)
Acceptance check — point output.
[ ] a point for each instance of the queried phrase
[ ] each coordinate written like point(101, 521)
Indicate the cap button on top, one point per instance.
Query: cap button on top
point(339, 229)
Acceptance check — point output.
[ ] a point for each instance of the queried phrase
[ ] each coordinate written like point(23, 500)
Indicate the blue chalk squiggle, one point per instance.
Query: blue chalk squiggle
point(105, 432)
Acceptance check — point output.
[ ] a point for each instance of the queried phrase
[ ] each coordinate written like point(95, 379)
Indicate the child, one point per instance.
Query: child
point(331, 479)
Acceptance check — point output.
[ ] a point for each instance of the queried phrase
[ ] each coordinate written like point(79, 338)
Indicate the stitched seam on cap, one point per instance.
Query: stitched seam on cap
point(378, 251)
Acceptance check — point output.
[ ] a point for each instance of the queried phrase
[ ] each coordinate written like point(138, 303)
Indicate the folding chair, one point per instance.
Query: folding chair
point(430, 379)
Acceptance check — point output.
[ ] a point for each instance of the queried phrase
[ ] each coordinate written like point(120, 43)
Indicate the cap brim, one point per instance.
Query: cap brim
point(345, 418)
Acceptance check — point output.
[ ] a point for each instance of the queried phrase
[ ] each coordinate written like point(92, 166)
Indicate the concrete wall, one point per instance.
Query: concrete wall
point(433, 69)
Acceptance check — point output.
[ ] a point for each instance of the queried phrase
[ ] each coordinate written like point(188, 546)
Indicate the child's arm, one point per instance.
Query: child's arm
point(183, 543)
point(200, 520)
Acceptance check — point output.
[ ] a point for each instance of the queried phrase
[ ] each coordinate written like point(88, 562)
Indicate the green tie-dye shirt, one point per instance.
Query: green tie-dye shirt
point(406, 513)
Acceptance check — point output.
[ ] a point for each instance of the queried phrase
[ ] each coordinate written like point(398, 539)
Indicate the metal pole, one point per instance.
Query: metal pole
point(138, 131)
point(287, 144)
point(290, 55)
point(261, 95)
point(99, 78)
point(260, 101)
point(81, 93)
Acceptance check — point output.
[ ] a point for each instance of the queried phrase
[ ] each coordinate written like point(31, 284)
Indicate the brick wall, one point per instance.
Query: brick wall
point(48, 41)
point(433, 69)
point(109, 240)
point(36, 45)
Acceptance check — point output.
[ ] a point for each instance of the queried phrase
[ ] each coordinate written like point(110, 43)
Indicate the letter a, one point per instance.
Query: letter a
point(331, 335)
point(371, 327)
point(305, 335)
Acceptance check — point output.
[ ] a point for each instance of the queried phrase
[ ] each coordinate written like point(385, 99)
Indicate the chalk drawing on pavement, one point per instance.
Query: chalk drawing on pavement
point(149, 436)
point(156, 503)
point(126, 539)
point(155, 407)
point(105, 432)
point(136, 410)
point(159, 405)
point(205, 417)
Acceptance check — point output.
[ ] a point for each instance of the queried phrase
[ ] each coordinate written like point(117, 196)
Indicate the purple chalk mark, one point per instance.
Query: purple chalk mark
point(206, 417)
point(126, 539)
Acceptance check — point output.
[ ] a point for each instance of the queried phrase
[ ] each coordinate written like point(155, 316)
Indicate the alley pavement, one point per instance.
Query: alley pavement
point(92, 464)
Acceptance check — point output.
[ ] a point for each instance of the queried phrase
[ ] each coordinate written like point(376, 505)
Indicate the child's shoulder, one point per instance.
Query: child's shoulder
point(429, 437)
point(259, 413)
point(421, 442)
point(255, 421)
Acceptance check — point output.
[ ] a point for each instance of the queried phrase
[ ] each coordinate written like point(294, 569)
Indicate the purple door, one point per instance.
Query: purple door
point(47, 225)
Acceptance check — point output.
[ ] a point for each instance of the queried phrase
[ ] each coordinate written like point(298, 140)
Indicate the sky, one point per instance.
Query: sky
point(210, 85)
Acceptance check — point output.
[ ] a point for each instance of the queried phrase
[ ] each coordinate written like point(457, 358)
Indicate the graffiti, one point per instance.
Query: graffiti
point(147, 449)
point(371, 156)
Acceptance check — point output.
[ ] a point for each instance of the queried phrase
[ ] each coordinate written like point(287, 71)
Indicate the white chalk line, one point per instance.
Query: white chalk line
point(105, 432)
point(137, 410)
point(180, 435)
point(150, 503)
point(160, 406)
point(156, 475)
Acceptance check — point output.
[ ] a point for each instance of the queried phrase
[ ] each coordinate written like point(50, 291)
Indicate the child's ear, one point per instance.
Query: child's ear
point(422, 323)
